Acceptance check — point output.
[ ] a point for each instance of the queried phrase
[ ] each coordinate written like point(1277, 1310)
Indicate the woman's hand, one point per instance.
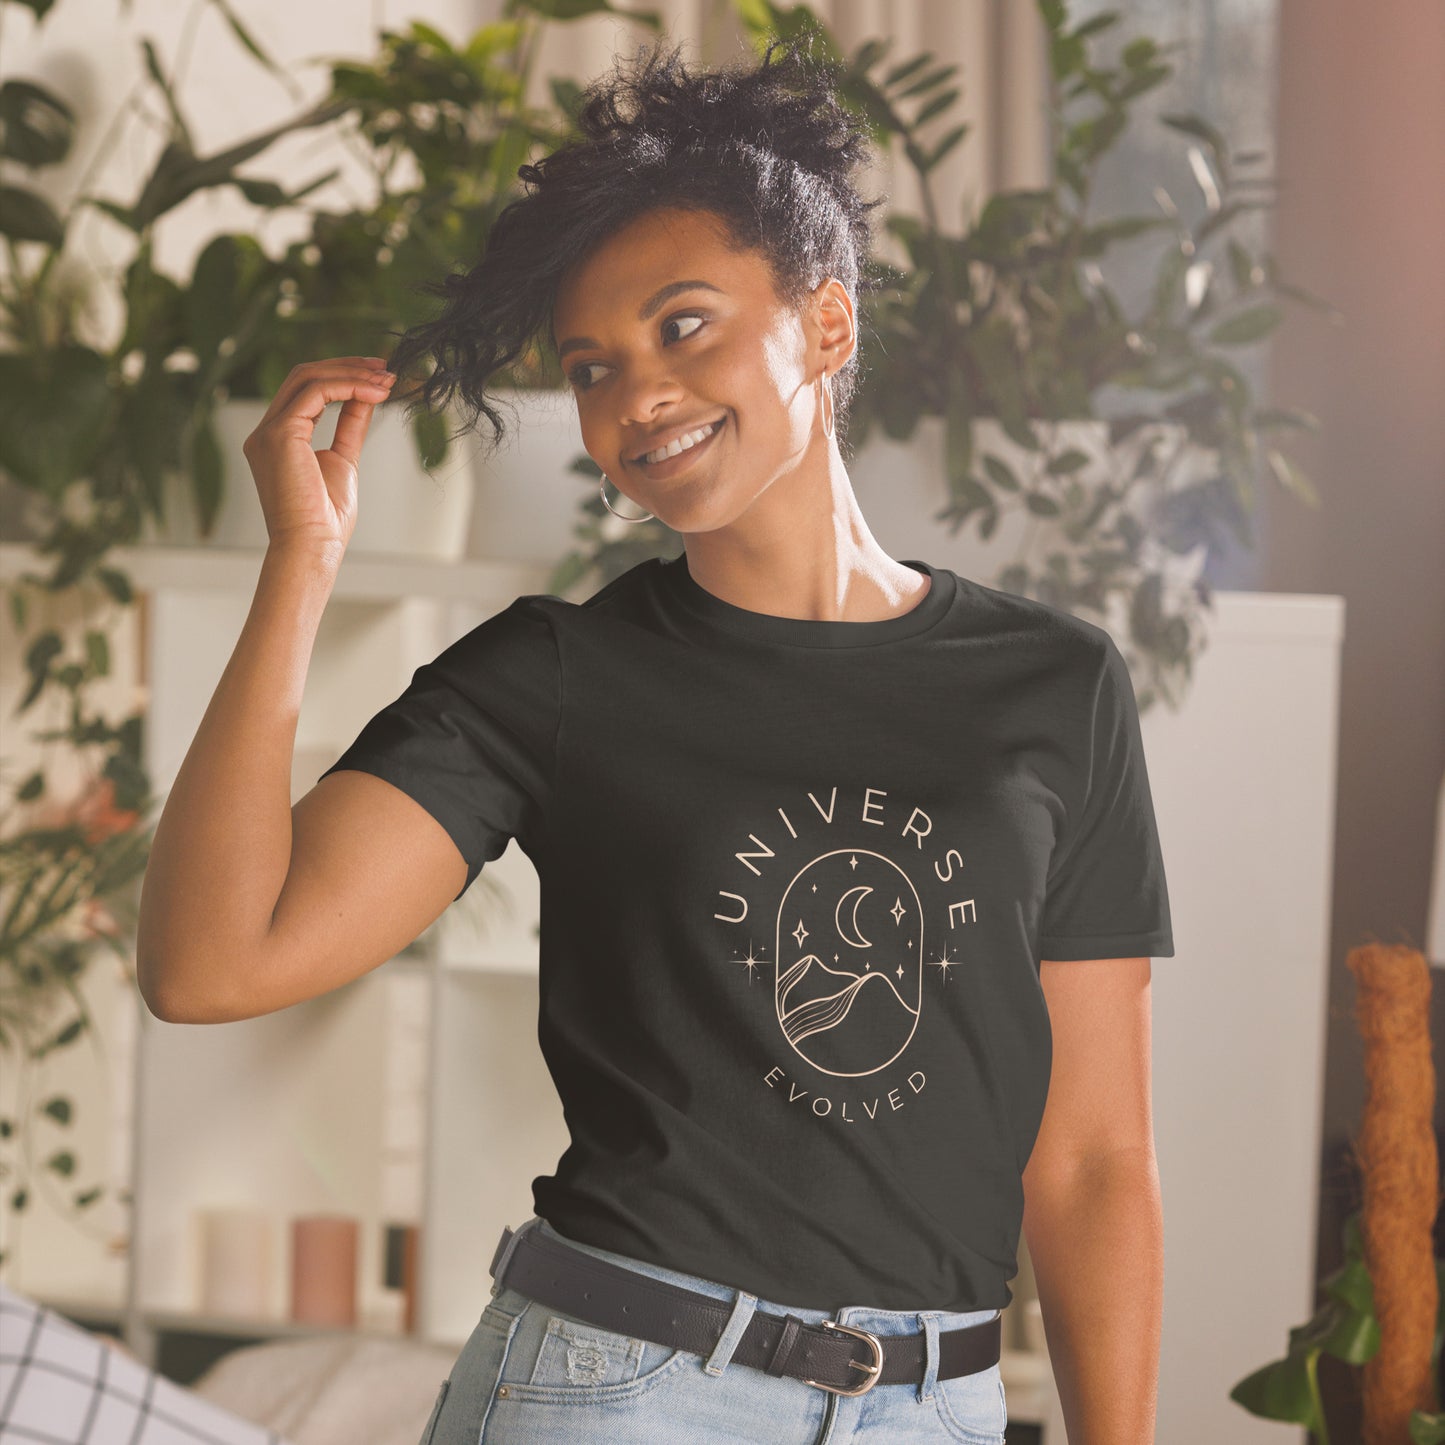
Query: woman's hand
point(309, 497)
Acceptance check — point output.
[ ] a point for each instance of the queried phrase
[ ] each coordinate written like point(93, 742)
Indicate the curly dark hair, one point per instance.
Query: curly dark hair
point(767, 148)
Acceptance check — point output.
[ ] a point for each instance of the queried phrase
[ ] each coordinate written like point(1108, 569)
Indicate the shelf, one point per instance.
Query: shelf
point(186, 1322)
point(234, 569)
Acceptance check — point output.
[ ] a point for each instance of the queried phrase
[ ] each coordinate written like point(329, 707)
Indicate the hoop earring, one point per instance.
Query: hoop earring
point(602, 489)
point(830, 425)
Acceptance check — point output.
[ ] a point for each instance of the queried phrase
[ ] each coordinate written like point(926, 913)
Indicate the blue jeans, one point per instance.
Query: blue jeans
point(531, 1376)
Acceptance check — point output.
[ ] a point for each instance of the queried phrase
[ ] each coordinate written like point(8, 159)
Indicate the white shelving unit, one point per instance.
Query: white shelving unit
point(400, 1098)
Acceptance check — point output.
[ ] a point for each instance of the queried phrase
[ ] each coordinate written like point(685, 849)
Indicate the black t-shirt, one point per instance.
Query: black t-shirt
point(796, 880)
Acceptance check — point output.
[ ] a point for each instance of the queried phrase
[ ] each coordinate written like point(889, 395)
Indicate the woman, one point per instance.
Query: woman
point(807, 819)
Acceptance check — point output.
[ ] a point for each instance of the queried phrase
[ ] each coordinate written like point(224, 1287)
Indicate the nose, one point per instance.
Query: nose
point(645, 389)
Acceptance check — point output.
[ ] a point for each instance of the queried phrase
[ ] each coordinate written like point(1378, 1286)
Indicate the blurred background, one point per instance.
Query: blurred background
point(1223, 436)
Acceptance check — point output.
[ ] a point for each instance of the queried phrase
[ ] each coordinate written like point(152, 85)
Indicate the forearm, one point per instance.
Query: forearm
point(222, 846)
point(1096, 1241)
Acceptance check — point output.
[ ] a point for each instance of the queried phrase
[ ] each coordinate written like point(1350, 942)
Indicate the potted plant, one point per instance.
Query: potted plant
point(443, 128)
point(100, 439)
point(88, 432)
point(1346, 1327)
point(1006, 354)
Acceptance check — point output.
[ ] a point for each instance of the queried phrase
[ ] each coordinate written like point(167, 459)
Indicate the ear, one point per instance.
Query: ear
point(832, 331)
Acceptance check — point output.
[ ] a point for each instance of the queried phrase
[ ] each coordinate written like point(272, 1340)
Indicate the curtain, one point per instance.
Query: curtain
point(998, 45)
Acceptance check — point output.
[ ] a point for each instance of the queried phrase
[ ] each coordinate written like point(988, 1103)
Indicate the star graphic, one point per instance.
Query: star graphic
point(800, 933)
point(897, 910)
point(944, 964)
point(750, 962)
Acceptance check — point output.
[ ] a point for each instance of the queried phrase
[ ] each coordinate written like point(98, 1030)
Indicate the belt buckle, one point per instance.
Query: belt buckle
point(872, 1370)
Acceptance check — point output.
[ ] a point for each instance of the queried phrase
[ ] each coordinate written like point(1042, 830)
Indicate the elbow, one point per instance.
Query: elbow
point(161, 1001)
point(167, 1001)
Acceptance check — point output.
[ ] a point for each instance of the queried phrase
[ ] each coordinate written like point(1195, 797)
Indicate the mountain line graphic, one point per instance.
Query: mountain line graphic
point(823, 1011)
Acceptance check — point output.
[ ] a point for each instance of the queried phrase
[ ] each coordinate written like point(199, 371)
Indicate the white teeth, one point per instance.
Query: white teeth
point(691, 439)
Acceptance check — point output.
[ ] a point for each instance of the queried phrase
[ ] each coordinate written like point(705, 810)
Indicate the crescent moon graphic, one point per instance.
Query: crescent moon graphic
point(856, 937)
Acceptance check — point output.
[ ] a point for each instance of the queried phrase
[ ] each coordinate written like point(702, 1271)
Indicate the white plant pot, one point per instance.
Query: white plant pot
point(528, 502)
point(403, 510)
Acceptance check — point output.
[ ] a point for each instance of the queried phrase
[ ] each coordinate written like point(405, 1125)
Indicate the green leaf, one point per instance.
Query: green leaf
point(181, 131)
point(939, 103)
point(1291, 477)
point(245, 37)
point(900, 73)
point(930, 81)
point(871, 52)
point(1139, 53)
point(957, 434)
point(1280, 1391)
point(1067, 461)
point(207, 472)
point(116, 583)
point(1097, 23)
point(1250, 325)
point(37, 127)
point(1000, 473)
point(945, 145)
point(1041, 505)
point(1285, 416)
point(429, 430)
point(1427, 1428)
point(211, 301)
point(54, 409)
point(28, 216)
point(1241, 265)
point(97, 652)
point(1200, 129)
point(576, 9)
point(58, 1108)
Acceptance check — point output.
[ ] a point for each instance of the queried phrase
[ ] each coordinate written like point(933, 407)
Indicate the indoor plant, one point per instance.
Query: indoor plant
point(94, 431)
point(1008, 334)
point(88, 429)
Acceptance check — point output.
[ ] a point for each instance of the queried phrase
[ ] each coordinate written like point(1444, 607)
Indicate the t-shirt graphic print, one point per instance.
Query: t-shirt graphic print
point(847, 946)
point(796, 880)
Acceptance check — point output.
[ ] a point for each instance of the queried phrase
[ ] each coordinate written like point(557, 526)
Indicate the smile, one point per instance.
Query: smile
point(677, 456)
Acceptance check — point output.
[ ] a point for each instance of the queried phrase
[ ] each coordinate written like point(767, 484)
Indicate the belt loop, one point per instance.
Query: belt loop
point(929, 1320)
point(742, 1313)
point(503, 1255)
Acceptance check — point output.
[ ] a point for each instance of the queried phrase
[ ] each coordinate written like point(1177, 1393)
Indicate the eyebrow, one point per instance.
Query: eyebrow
point(646, 312)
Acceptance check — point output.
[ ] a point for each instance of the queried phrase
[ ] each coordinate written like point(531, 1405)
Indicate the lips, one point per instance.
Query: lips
point(684, 458)
point(714, 422)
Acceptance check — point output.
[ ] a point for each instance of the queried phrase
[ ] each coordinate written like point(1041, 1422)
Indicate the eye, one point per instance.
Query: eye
point(577, 375)
point(685, 316)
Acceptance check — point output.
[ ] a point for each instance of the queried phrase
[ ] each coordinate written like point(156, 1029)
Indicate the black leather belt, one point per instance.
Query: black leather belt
point(614, 1298)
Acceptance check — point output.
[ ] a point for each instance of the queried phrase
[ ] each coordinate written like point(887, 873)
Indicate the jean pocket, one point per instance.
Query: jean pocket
point(973, 1407)
point(563, 1358)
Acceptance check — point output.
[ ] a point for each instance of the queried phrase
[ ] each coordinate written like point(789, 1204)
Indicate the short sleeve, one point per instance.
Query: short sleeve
point(1106, 894)
point(473, 736)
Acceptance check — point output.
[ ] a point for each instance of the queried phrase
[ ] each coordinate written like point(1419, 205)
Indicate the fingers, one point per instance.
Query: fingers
point(310, 385)
point(308, 389)
point(351, 425)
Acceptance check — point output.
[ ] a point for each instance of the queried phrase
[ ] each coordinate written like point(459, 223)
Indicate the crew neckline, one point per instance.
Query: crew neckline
point(768, 627)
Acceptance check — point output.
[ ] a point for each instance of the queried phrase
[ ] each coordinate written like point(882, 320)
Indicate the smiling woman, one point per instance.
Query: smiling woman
point(807, 818)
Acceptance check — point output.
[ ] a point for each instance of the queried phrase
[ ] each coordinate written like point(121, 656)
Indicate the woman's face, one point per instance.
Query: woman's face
point(650, 359)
